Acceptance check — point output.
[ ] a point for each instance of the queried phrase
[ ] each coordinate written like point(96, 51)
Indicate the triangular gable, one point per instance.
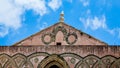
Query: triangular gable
point(60, 34)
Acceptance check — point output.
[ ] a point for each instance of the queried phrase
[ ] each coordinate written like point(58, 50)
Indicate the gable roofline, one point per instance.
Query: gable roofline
point(57, 24)
point(85, 34)
point(34, 34)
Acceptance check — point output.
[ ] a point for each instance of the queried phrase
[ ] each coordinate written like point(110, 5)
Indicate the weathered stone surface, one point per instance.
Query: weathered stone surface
point(74, 56)
point(60, 33)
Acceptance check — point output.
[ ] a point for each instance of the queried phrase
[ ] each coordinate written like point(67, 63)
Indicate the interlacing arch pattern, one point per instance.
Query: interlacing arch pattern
point(34, 60)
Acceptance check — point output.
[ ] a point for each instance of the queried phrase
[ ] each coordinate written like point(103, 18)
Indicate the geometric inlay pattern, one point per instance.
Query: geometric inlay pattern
point(90, 61)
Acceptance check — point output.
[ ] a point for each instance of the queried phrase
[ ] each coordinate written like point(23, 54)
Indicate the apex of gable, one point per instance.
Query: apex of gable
point(60, 34)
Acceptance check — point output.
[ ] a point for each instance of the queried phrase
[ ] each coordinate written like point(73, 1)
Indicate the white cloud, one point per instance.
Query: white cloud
point(99, 23)
point(95, 22)
point(9, 16)
point(12, 10)
point(55, 4)
point(38, 6)
point(85, 2)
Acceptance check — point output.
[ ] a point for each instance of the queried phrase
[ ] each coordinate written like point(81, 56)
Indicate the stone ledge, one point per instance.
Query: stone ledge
point(80, 50)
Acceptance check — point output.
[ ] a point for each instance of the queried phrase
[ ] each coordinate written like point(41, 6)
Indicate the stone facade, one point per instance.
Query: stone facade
point(62, 56)
point(62, 34)
point(60, 46)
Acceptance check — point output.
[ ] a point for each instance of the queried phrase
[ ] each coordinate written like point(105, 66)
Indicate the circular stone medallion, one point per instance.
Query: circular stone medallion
point(71, 38)
point(46, 38)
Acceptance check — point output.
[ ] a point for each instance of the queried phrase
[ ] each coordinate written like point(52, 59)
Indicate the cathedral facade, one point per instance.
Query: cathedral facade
point(60, 46)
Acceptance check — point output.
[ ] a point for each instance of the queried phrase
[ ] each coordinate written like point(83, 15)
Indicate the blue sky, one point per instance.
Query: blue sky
point(22, 18)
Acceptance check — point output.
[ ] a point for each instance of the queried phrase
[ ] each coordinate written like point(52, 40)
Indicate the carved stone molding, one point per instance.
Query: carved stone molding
point(59, 28)
point(64, 60)
point(46, 40)
point(71, 38)
point(53, 60)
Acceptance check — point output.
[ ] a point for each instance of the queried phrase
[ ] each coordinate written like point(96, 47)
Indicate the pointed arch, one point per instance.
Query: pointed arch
point(53, 60)
point(59, 28)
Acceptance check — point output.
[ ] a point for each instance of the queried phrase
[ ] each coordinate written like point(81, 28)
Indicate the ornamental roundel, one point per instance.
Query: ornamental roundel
point(47, 38)
point(73, 60)
point(71, 38)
